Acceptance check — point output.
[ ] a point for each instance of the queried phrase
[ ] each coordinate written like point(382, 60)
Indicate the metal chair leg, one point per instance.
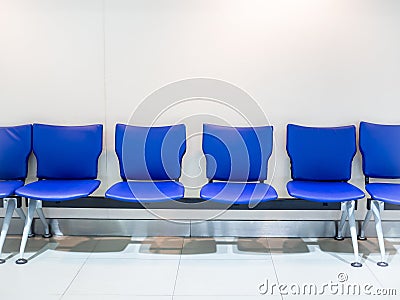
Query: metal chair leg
point(11, 204)
point(31, 212)
point(21, 214)
point(353, 231)
point(364, 225)
point(377, 207)
point(339, 236)
point(47, 233)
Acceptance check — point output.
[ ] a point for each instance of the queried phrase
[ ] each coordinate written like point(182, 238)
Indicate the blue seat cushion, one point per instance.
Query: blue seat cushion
point(324, 191)
point(146, 191)
point(58, 190)
point(238, 193)
point(387, 192)
point(7, 188)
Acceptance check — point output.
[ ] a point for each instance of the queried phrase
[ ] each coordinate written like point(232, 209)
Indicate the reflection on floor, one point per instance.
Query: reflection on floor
point(197, 268)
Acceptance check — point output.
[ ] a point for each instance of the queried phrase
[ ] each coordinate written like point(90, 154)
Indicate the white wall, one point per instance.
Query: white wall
point(312, 62)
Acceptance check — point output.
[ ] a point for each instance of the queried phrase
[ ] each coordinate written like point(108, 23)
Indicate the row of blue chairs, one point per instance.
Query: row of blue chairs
point(236, 165)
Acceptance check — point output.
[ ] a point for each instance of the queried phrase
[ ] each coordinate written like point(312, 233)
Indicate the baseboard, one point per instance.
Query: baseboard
point(194, 228)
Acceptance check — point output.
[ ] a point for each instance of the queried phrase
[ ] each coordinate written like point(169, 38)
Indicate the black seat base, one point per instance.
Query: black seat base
point(356, 264)
point(382, 264)
point(2, 261)
point(21, 261)
point(47, 236)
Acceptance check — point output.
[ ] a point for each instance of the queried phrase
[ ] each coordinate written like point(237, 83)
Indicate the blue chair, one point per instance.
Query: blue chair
point(321, 160)
point(15, 148)
point(380, 149)
point(150, 161)
point(67, 159)
point(237, 164)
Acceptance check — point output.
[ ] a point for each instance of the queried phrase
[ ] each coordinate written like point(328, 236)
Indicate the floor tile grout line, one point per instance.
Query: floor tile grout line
point(73, 279)
point(177, 270)
point(94, 247)
point(178, 258)
point(373, 273)
point(213, 295)
point(273, 265)
point(77, 273)
point(371, 268)
point(165, 295)
point(121, 294)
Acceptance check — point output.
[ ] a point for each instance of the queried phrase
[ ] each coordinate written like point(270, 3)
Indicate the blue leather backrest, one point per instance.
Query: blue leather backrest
point(15, 147)
point(380, 149)
point(150, 153)
point(237, 153)
point(321, 154)
point(67, 152)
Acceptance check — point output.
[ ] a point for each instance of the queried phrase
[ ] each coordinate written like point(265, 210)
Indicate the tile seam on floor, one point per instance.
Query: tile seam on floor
point(273, 265)
point(133, 258)
point(73, 279)
point(177, 270)
point(117, 294)
point(219, 259)
point(373, 273)
point(221, 295)
point(387, 251)
point(77, 273)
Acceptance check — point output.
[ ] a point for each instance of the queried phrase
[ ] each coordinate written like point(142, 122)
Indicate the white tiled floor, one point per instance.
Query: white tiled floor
point(161, 268)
